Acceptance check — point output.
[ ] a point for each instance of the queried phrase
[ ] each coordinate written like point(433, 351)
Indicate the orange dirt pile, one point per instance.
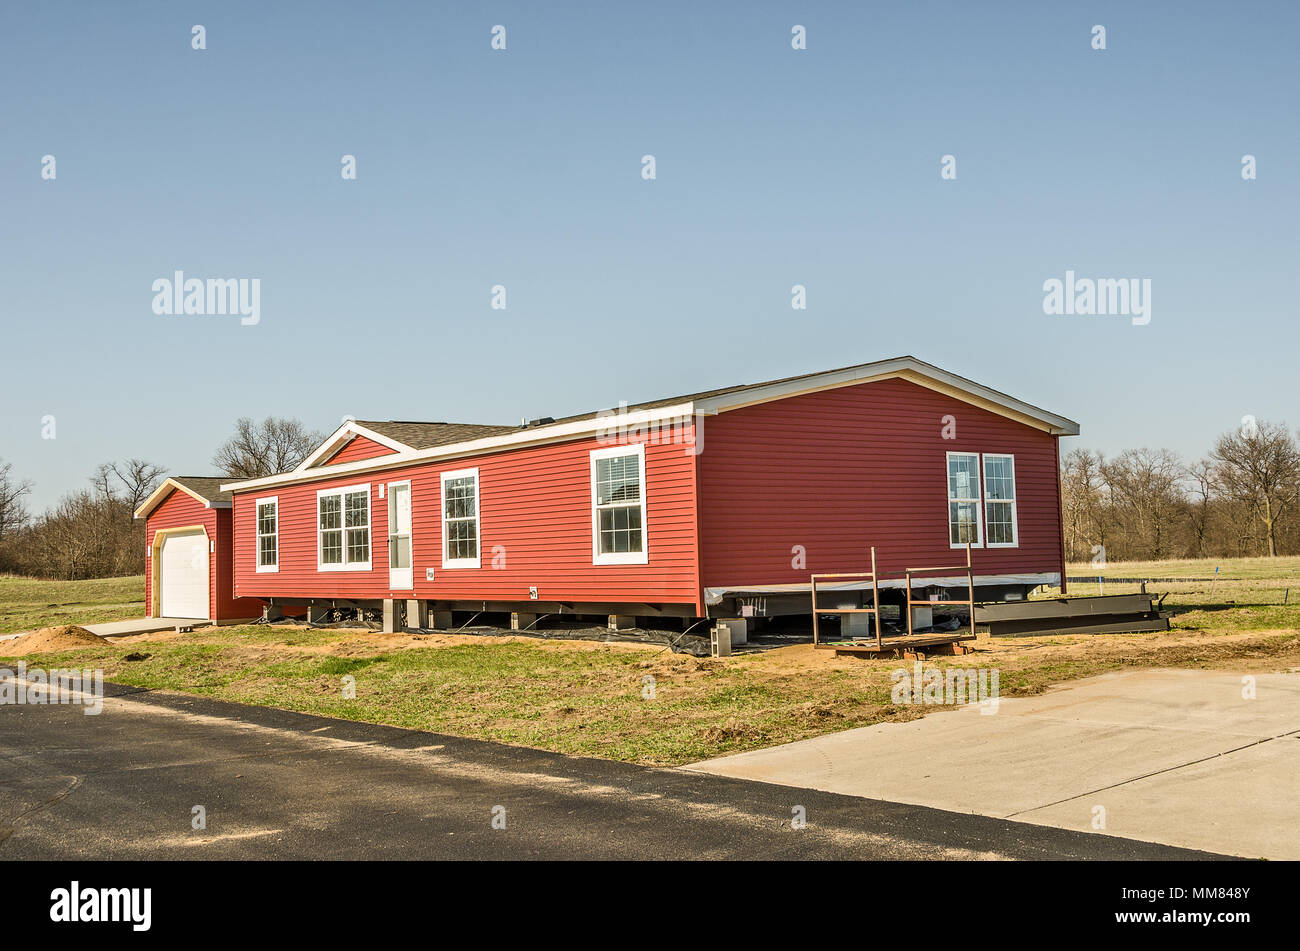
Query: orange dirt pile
point(49, 639)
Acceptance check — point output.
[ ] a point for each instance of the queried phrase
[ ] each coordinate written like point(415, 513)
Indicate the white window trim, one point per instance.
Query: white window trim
point(343, 519)
point(1015, 493)
point(477, 560)
point(948, 500)
point(641, 557)
point(410, 534)
point(257, 533)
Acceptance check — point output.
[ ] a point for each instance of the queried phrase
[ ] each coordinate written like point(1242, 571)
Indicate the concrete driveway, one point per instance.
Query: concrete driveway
point(1171, 756)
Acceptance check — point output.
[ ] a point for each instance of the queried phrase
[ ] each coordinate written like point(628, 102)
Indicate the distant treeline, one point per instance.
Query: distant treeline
point(93, 533)
point(1240, 500)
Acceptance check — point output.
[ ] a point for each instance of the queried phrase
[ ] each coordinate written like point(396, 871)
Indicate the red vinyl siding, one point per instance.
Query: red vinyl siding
point(359, 447)
point(841, 470)
point(180, 510)
point(535, 521)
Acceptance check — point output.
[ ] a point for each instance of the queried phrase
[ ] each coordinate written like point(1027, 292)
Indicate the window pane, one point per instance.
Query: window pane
point(358, 545)
point(356, 510)
point(963, 525)
point(266, 518)
point(329, 511)
point(998, 520)
point(331, 547)
point(266, 550)
point(618, 479)
point(963, 477)
point(999, 481)
point(399, 552)
point(459, 496)
point(399, 508)
point(462, 539)
point(620, 530)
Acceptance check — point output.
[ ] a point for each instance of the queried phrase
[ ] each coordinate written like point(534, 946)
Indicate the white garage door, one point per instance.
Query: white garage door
point(184, 576)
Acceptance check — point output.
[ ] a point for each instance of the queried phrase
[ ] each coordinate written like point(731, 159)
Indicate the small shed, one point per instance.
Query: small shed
point(189, 552)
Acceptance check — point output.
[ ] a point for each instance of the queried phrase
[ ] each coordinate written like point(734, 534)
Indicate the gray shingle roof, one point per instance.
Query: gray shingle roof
point(207, 487)
point(428, 435)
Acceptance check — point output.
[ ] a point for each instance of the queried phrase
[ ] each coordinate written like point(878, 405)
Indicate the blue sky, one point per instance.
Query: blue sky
point(522, 167)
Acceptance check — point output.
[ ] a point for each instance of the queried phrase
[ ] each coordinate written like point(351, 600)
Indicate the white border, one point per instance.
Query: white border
point(1015, 493)
point(477, 560)
point(343, 527)
point(410, 533)
point(948, 499)
point(258, 536)
point(641, 557)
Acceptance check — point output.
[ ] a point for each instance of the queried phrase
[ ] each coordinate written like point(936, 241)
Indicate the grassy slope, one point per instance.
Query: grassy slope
point(30, 603)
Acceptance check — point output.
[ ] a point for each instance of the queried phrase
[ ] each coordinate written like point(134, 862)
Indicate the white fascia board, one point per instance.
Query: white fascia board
point(562, 432)
point(908, 368)
point(343, 435)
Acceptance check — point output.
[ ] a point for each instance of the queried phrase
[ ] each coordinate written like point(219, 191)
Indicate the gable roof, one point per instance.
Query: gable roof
point(205, 489)
point(414, 442)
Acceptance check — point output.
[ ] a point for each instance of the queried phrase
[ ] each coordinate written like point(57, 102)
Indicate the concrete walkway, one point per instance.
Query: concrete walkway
point(142, 625)
point(1171, 756)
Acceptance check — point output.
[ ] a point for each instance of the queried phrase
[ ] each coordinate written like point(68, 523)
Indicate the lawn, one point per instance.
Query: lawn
point(594, 699)
point(29, 603)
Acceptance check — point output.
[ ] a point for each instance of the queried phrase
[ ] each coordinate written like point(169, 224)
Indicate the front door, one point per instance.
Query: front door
point(400, 576)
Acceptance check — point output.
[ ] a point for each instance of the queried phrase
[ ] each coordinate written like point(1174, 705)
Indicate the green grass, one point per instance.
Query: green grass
point(30, 603)
point(586, 699)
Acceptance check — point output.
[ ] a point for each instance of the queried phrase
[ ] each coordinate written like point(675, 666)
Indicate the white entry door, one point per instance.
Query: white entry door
point(183, 575)
point(400, 575)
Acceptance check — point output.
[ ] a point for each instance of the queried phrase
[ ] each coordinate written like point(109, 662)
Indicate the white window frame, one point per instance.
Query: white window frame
point(948, 500)
point(641, 557)
point(984, 490)
point(346, 565)
point(444, 478)
point(259, 535)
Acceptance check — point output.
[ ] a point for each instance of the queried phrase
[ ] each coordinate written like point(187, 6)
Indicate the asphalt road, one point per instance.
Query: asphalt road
point(280, 785)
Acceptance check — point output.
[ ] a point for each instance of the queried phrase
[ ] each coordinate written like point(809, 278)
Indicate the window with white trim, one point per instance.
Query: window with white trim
point(618, 505)
point(963, 499)
point(268, 534)
point(460, 547)
point(1000, 500)
point(343, 529)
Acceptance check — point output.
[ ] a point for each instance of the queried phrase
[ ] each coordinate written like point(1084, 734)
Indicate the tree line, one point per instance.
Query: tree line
point(1239, 500)
point(93, 532)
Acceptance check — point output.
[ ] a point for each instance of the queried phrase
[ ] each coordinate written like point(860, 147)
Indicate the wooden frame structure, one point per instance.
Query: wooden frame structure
point(909, 644)
point(875, 600)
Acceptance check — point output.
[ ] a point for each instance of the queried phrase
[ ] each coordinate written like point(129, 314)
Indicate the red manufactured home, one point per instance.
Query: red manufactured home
point(715, 504)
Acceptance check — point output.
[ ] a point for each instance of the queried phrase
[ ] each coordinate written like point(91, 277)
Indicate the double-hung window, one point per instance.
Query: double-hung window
point(963, 499)
point(618, 506)
point(343, 529)
point(268, 534)
point(982, 500)
point(1000, 500)
point(460, 544)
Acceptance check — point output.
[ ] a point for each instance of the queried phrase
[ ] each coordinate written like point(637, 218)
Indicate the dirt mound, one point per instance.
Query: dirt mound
point(49, 639)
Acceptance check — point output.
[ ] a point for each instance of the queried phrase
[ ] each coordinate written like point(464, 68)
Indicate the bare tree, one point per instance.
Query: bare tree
point(265, 448)
point(1145, 484)
point(13, 513)
point(1260, 465)
point(1200, 477)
